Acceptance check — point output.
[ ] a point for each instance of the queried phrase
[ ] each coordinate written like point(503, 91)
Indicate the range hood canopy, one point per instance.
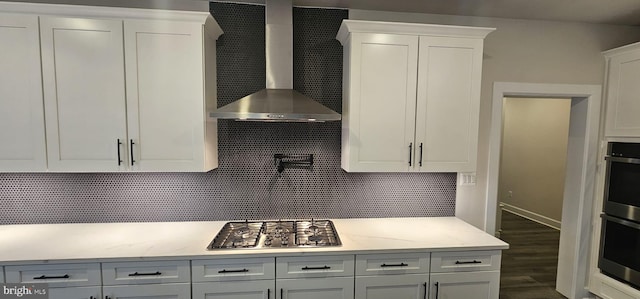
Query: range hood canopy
point(278, 102)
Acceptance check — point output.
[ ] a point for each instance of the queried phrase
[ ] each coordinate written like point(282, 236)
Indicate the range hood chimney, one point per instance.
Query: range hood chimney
point(278, 102)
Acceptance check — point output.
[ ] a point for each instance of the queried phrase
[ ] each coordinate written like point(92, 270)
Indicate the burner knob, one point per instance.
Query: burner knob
point(267, 243)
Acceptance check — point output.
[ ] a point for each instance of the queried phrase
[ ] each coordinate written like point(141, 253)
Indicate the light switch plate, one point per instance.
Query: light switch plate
point(466, 179)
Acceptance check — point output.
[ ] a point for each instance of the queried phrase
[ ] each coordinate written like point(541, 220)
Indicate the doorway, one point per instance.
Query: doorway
point(573, 259)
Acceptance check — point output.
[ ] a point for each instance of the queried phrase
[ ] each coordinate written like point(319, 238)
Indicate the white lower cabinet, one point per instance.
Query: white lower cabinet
point(460, 285)
point(151, 291)
point(261, 289)
point(94, 292)
point(315, 288)
point(409, 286)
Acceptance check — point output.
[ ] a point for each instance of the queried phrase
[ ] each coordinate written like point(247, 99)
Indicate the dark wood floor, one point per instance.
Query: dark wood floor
point(529, 265)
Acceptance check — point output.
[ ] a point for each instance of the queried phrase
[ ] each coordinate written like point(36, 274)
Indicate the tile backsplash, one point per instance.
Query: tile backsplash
point(246, 184)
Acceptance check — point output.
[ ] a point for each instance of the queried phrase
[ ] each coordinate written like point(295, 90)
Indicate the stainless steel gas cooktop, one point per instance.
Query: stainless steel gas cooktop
point(276, 234)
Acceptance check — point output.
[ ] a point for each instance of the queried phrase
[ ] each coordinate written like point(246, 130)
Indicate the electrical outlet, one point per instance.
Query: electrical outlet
point(467, 179)
point(510, 195)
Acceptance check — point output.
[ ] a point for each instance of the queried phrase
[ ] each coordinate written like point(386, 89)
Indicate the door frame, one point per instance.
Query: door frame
point(575, 235)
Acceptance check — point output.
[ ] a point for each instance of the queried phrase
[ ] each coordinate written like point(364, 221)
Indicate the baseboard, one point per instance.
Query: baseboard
point(544, 220)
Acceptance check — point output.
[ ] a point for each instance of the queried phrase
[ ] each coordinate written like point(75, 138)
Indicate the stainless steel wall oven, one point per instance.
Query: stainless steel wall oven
point(620, 235)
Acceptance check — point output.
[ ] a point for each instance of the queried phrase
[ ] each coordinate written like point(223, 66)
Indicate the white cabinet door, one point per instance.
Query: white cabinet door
point(151, 291)
point(315, 288)
point(448, 103)
point(84, 93)
point(257, 289)
point(165, 92)
point(22, 141)
point(380, 103)
point(76, 293)
point(623, 95)
point(465, 285)
point(409, 286)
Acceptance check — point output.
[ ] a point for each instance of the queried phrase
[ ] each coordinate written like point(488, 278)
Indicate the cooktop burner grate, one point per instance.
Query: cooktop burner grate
point(276, 234)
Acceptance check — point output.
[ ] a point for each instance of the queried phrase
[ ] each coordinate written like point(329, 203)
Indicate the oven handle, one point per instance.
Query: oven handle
point(621, 221)
point(623, 160)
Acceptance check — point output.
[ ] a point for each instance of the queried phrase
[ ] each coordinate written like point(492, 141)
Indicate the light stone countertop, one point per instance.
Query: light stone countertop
point(55, 243)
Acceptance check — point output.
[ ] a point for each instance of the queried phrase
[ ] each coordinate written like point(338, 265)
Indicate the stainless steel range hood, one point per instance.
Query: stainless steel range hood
point(278, 102)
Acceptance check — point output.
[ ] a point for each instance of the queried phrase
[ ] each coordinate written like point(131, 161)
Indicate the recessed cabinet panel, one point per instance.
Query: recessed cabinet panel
point(448, 109)
point(411, 286)
point(259, 289)
point(233, 269)
point(151, 291)
point(315, 288)
point(165, 95)
point(145, 272)
point(22, 141)
point(623, 95)
point(382, 104)
point(476, 285)
point(83, 76)
point(76, 293)
point(56, 275)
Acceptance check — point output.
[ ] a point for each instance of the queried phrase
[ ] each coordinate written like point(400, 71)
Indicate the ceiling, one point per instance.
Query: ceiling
point(618, 12)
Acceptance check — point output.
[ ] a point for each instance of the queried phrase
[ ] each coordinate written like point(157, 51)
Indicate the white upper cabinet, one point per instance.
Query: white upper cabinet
point(623, 92)
point(165, 108)
point(447, 117)
point(377, 130)
point(22, 139)
point(84, 93)
point(122, 89)
point(411, 96)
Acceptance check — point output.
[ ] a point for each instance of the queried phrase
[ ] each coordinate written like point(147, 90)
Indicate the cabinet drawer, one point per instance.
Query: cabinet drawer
point(465, 261)
point(233, 269)
point(150, 291)
point(58, 275)
point(145, 272)
point(76, 293)
point(314, 266)
point(394, 263)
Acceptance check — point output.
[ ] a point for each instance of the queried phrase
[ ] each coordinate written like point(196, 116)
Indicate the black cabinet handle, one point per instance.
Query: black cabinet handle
point(268, 293)
point(281, 293)
point(394, 265)
point(468, 262)
point(437, 289)
point(119, 158)
point(91, 297)
point(410, 151)
point(107, 297)
point(52, 277)
point(420, 162)
point(316, 268)
point(145, 274)
point(425, 290)
point(233, 271)
point(132, 160)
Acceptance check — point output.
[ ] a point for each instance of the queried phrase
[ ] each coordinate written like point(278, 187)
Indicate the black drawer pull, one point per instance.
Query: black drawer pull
point(394, 265)
point(468, 262)
point(145, 274)
point(233, 271)
point(52, 277)
point(316, 268)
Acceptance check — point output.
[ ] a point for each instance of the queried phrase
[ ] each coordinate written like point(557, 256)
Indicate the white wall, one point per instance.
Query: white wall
point(522, 51)
point(534, 157)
